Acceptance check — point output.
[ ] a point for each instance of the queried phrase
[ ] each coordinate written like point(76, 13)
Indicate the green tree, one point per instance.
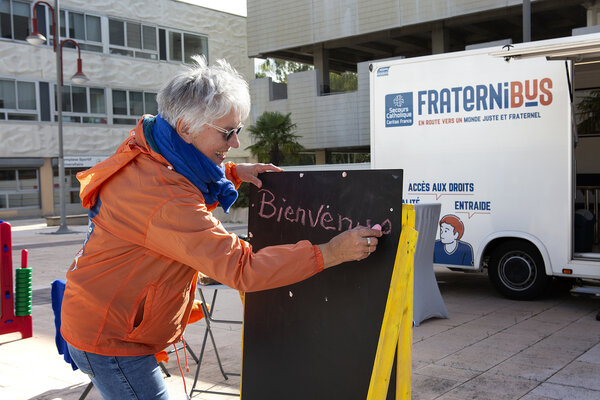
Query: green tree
point(274, 140)
point(589, 112)
point(280, 69)
point(345, 82)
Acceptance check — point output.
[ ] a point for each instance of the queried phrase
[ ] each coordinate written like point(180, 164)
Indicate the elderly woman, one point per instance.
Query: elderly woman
point(131, 288)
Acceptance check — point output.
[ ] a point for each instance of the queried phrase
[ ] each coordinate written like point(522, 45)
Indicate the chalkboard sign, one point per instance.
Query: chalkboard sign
point(317, 339)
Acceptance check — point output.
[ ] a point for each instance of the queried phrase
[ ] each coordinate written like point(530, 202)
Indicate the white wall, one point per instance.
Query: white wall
point(226, 39)
point(280, 24)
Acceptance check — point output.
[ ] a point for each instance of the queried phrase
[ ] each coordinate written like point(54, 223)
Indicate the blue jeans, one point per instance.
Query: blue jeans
point(121, 377)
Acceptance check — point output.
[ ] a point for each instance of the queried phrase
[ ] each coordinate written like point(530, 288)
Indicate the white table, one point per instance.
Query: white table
point(427, 299)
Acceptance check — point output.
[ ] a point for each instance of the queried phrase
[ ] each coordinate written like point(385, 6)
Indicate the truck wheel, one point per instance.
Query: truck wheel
point(517, 271)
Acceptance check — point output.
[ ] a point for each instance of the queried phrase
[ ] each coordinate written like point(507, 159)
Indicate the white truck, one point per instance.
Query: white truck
point(490, 134)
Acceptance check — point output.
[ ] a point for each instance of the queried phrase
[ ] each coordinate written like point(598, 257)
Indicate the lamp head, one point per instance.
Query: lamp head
point(36, 39)
point(79, 78)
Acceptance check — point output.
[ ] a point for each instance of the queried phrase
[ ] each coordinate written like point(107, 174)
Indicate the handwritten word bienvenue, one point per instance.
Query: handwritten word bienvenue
point(325, 219)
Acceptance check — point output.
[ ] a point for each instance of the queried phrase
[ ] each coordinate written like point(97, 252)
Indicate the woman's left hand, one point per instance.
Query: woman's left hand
point(249, 172)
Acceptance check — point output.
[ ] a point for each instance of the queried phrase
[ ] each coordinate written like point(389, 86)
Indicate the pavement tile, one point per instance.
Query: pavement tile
point(446, 372)
point(430, 387)
point(561, 392)
point(509, 341)
point(535, 328)
point(500, 319)
point(585, 330)
point(476, 358)
point(566, 313)
point(434, 349)
point(217, 388)
point(536, 397)
point(469, 333)
point(457, 318)
point(580, 374)
point(565, 342)
point(592, 355)
point(491, 387)
point(418, 364)
point(534, 366)
point(429, 328)
point(488, 352)
point(479, 307)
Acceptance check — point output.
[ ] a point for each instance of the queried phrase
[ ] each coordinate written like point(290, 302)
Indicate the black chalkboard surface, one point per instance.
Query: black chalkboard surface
point(317, 339)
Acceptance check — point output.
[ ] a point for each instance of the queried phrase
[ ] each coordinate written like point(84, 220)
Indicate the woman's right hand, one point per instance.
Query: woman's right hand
point(353, 245)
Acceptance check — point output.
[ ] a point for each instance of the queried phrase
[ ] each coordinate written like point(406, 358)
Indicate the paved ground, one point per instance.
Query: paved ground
point(489, 348)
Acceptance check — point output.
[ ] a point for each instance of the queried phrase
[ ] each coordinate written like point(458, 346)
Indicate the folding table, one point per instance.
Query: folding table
point(208, 310)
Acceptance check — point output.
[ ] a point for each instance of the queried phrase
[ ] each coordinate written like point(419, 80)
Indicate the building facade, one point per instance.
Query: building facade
point(343, 35)
point(129, 49)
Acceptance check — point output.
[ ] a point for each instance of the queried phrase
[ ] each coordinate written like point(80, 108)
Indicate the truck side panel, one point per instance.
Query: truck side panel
point(487, 138)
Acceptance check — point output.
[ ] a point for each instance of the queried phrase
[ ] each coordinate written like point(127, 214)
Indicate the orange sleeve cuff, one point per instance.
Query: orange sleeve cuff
point(230, 169)
point(318, 257)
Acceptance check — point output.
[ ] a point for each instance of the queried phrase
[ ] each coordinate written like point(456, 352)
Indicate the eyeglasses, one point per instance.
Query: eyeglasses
point(228, 133)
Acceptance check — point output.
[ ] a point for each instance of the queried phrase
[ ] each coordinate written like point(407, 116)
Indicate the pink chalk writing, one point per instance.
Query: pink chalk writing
point(270, 208)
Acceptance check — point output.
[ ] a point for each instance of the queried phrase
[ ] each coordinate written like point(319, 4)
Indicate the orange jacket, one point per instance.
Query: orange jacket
point(131, 288)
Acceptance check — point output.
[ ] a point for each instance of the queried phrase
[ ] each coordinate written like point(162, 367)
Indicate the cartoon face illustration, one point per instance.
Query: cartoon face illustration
point(451, 229)
point(447, 234)
point(450, 249)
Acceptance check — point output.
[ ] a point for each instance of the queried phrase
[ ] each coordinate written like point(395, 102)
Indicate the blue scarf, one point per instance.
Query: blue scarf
point(187, 160)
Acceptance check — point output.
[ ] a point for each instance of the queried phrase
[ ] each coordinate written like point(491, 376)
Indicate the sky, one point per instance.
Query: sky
point(237, 7)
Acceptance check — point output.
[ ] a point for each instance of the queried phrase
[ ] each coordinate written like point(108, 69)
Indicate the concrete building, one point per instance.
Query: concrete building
point(343, 35)
point(130, 48)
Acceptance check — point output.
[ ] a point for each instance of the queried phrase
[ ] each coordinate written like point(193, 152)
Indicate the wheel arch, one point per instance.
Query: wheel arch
point(492, 241)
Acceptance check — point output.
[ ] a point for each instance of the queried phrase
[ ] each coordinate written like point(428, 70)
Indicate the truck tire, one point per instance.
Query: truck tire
point(516, 270)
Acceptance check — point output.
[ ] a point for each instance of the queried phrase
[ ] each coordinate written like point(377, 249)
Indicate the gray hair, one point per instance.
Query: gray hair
point(203, 94)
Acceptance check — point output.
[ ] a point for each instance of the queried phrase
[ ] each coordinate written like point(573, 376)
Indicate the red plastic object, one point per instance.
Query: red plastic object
point(24, 258)
point(9, 323)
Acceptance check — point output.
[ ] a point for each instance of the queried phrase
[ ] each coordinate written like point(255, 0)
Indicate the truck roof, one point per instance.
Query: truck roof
point(577, 48)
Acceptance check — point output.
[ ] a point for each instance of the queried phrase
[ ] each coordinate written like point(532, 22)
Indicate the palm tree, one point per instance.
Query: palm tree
point(589, 112)
point(274, 138)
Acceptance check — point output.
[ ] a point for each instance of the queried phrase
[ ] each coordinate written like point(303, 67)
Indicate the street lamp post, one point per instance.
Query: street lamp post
point(37, 39)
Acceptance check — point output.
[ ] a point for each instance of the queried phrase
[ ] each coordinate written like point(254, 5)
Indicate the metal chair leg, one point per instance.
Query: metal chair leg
point(164, 369)
point(86, 391)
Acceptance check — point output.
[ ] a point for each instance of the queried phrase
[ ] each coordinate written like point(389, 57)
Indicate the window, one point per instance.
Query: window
point(14, 19)
point(129, 105)
point(175, 46)
point(192, 45)
point(19, 188)
point(26, 100)
point(18, 100)
point(97, 104)
point(116, 30)
point(145, 41)
point(182, 46)
point(133, 39)
point(81, 105)
point(150, 104)
point(84, 28)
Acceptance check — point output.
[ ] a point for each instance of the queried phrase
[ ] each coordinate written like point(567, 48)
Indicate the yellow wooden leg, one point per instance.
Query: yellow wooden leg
point(404, 365)
point(398, 314)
